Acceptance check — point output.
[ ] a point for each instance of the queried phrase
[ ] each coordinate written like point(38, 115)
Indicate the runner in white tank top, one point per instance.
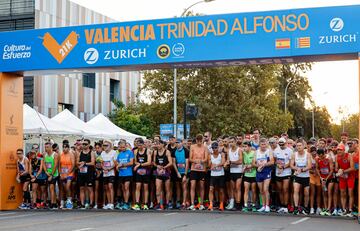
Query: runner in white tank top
point(236, 170)
point(216, 163)
point(301, 164)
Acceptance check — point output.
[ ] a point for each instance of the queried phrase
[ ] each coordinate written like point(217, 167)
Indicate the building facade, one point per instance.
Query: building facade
point(85, 94)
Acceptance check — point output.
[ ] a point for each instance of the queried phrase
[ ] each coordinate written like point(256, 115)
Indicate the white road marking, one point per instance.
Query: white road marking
point(169, 214)
point(18, 216)
point(4, 214)
point(301, 220)
point(84, 229)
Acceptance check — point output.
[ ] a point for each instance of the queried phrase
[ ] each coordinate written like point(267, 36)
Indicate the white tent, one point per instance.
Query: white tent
point(66, 117)
point(35, 123)
point(100, 121)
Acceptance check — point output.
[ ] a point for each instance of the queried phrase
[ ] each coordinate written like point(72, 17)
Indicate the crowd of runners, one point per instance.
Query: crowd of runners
point(229, 173)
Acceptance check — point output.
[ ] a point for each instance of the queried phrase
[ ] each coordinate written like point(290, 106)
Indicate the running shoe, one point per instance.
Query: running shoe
point(245, 209)
point(262, 209)
point(192, 207)
point(82, 207)
point(87, 206)
point(178, 205)
point(111, 206)
point(296, 211)
point(22, 206)
point(350, 214)
point(145, 207)
point(304, 211)
point(170, 205)
point(267, 209)
point(62, 204)
point(201, 207)
point(335, 212)
point(342, 213)
point(281, 210)
point(151, 205)
point(118, 206)
point(253, 209)
point(95, 207)
point(126, 206)
point(312, 211)
point(210, 208)
point(318, 211)
point(136, 207)
point(69, 204)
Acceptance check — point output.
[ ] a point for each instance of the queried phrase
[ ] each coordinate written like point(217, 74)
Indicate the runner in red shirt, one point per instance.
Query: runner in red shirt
point(325, 169)
point(345, 172)
point(355, 156)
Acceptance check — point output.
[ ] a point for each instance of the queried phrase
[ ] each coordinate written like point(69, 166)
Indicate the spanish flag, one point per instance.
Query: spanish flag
point(282, 43)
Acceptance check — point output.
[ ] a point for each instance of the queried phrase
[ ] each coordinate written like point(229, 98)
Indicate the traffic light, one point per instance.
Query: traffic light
point(191, 111)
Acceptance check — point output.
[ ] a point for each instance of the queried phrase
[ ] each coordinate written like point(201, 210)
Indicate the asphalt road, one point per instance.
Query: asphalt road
point(169, 220)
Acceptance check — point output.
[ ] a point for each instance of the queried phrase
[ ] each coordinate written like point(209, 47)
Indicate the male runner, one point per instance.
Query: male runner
point(23, 177)
point(51, 164)
point(108, 157)
point(67, 168)
point(235, 160)
point(217, 181)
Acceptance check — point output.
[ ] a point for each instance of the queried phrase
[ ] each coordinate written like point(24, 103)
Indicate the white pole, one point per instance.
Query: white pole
point(175, 102)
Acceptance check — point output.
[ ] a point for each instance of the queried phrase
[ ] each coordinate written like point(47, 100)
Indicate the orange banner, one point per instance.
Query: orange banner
point(11, 138)
point(59, 52)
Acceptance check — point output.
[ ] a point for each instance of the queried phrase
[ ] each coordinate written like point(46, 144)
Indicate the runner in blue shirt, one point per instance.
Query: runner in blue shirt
point(125, 162)
point(181, 166)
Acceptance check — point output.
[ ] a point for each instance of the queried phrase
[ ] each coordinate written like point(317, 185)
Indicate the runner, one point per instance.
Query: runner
point(255, 139)
point(325, 169)
point(282, 157)
point(162, 163)
point(344, 140)
point(86, 162)
point(98, 175)
point(67, 167)
point(336, 194)
point(301, 164)
point(198, 159)
point(235, 160)
point(23, 177)
point(125, 163)
point(142, 177)
point(181, 166)
point(249, 177)
point(108, 157)
point(345, 171)
point(263, 161)
point(51, 163)
point(38, 178)
point(315, 184)
point(217, 181)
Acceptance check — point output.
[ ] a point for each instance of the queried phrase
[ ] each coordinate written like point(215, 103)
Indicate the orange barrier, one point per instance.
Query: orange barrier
point(11, 138)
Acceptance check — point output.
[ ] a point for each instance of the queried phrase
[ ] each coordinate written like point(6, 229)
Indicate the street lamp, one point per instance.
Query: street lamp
point(286, 89)
point(175, 71)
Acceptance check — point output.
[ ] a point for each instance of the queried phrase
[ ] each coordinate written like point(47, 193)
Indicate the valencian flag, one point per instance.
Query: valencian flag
point(282, 43)
point(303, 42)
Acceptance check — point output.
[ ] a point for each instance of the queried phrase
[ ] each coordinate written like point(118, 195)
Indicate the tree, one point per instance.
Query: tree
point(349, 125)
point(230, 99)
point(322, 123)
point(130, 119)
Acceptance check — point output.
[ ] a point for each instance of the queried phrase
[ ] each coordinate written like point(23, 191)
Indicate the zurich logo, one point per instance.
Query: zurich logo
point(91, 56)
point(336, 24)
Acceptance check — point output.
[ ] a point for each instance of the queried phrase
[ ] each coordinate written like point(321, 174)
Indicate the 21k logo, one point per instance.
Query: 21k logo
point(60, 51)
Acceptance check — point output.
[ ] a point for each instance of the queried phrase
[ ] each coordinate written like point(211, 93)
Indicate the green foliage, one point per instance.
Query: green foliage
point(130, 119)
point(349, 125)
point(231, 100)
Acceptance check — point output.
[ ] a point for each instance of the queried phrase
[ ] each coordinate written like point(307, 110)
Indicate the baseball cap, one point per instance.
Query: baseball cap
point(282, 140)
point(341, 147)
point(272, 140)
point(214, 145)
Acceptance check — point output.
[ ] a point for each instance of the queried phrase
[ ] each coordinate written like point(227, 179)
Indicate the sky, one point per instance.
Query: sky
point(335, 84)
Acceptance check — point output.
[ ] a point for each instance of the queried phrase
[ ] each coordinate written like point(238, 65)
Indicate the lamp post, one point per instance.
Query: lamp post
point(175, 71)
point(285, 98)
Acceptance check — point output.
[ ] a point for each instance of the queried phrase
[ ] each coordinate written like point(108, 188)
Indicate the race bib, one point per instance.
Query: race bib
point(345, 175)
point(64, 170)
point(324, 171)
point(141, 171)
point(261, 161)
point(48, 164)
point(161, 172)
point(107, 164)
point(83, 169)
point(280, 161)
point(199, 166)
point(181, 165)
point(217, 169)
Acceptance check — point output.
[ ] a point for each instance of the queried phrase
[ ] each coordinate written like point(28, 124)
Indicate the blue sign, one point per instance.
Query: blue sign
point(167, 130)
point(285, 36)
